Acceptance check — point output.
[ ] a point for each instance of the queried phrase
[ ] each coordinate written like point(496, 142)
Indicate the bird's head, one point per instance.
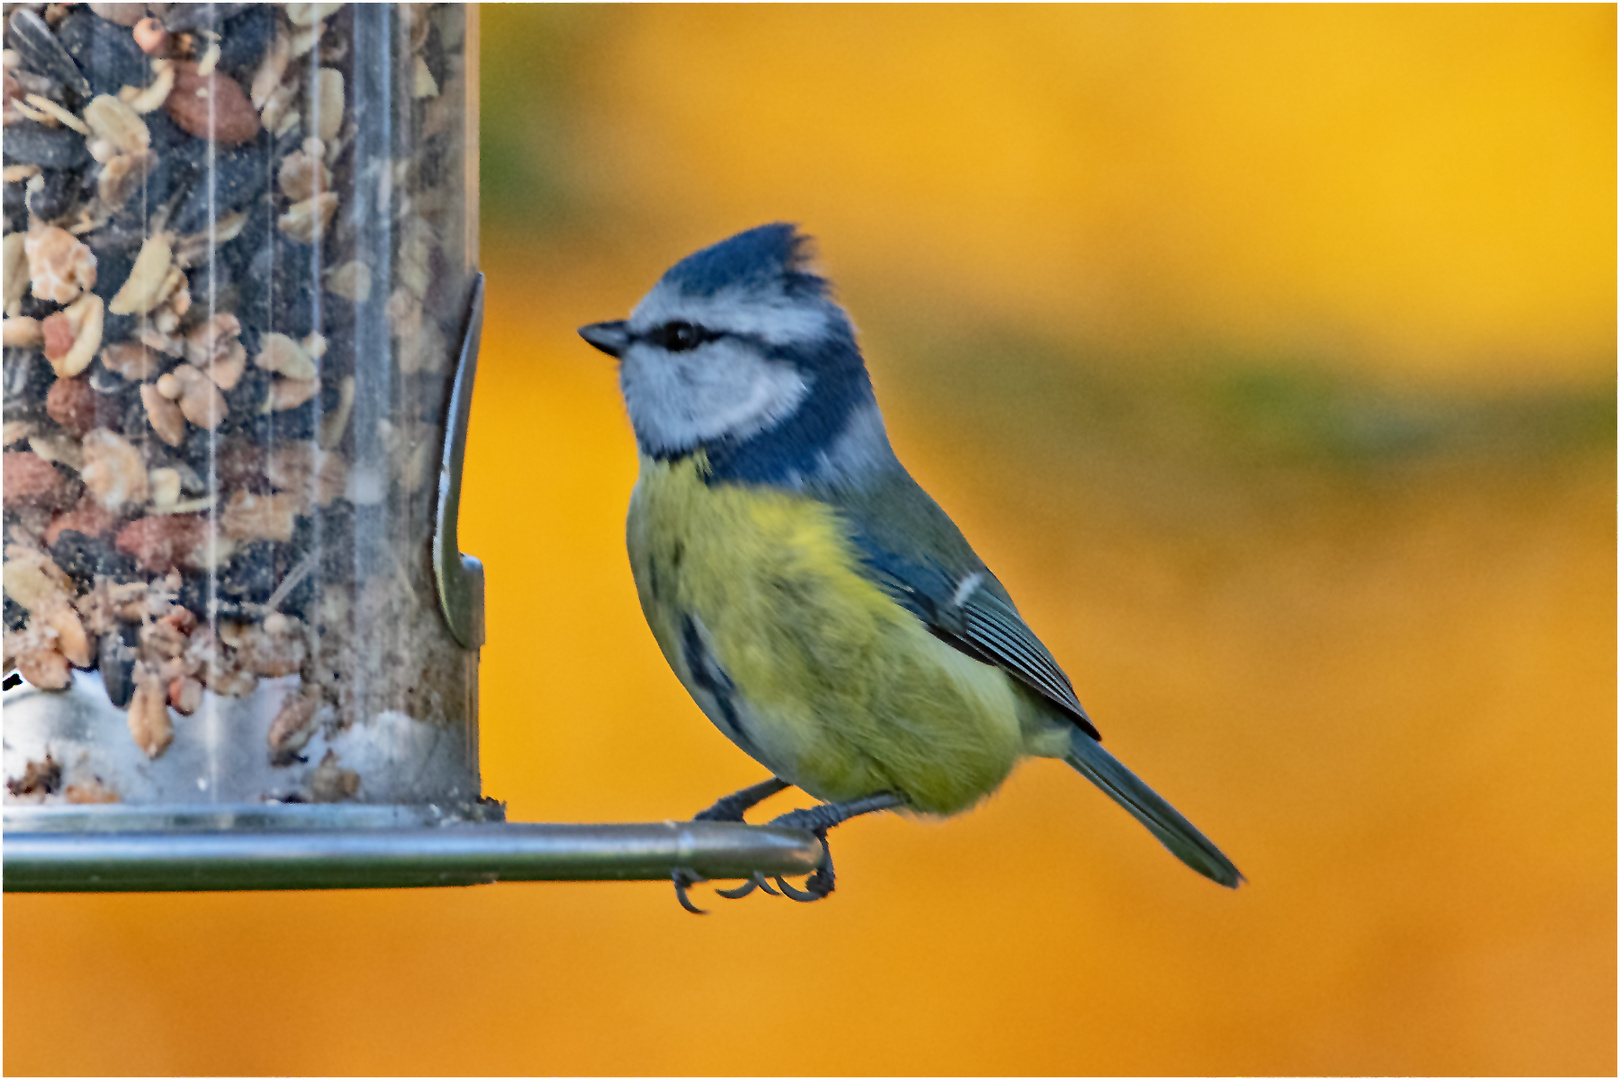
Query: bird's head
point(739, 349)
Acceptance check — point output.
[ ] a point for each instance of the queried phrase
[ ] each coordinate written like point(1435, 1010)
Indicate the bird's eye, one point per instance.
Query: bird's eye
point(679, 336)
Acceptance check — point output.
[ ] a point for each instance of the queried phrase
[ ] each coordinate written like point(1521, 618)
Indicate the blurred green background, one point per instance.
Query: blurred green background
point(1268, 355)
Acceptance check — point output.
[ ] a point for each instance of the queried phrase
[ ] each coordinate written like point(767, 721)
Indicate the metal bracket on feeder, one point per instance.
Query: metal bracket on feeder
point(459, 578)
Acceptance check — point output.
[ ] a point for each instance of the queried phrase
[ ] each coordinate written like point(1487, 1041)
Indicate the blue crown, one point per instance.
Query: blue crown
point(770, 254)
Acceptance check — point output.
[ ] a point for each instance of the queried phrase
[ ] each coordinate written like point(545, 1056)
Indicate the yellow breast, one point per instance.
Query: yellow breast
point(836, 688)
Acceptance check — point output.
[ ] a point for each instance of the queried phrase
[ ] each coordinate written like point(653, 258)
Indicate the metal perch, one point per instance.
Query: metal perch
point(341, 857)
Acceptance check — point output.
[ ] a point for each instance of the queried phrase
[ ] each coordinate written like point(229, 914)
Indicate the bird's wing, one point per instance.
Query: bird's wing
point(917, 554)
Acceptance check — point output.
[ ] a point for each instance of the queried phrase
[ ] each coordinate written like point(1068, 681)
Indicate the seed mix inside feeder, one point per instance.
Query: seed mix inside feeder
point(239, 251)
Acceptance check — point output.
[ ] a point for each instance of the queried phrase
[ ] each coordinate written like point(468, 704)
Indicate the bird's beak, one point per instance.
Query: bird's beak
point(611, 337)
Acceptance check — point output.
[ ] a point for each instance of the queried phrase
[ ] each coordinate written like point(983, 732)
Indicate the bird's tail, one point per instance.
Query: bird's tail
point(1174, 831)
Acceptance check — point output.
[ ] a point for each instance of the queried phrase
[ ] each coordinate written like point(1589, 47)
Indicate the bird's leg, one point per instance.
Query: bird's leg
point(818, 819)
point(730, 808)
point(733, 806)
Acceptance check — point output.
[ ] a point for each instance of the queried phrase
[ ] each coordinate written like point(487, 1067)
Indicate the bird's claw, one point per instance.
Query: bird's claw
point(756, 882)
point(818, 886)
point(684, 879)
point(740, 891)
point(804, 896)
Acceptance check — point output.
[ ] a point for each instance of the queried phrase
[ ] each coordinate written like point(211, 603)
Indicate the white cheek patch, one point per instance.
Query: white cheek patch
point(778, 320)
point(677, 400)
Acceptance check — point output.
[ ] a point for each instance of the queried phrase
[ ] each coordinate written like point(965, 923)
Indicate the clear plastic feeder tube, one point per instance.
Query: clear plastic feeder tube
point(240, 248)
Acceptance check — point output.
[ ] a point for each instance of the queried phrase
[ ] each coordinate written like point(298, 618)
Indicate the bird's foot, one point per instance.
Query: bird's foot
point(730, 808)
point(818, 819)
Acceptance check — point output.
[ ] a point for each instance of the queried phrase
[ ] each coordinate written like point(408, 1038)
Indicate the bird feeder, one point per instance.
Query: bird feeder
point(242, 315)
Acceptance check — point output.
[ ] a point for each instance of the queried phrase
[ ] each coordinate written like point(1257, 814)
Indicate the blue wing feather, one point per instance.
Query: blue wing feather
point(916, 553)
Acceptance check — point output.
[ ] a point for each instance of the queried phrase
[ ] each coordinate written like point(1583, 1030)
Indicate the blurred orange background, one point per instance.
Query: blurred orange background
point(1267, 354)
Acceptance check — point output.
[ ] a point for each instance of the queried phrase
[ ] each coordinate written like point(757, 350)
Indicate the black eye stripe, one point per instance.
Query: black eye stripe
point(678, 336)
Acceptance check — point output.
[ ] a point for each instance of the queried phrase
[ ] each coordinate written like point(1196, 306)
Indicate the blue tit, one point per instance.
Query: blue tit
point(821, 609)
